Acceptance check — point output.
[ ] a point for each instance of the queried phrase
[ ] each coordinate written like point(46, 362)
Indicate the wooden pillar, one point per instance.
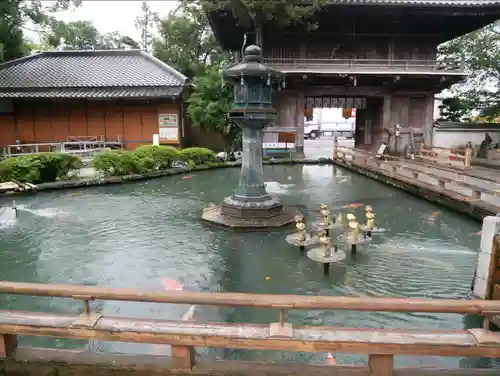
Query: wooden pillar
point(303, 50)
point(183, 357)
point(428, 120)
point(8, 344)
point(386, 118)
point(380, 365)
point(299, 121)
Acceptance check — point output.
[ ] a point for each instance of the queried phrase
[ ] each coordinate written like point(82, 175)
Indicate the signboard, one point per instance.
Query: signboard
point(168, 126)
point(335, 102)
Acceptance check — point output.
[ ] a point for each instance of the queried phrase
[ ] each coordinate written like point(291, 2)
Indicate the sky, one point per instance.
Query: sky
point(109, 16)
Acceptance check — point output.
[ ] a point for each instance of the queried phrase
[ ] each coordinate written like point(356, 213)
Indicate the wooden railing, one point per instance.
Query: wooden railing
point(417, 172)
point(465, 158)
point(183, 336)
point(364, 65)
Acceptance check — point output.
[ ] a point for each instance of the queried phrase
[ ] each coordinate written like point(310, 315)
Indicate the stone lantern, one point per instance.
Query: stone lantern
point(250, 205)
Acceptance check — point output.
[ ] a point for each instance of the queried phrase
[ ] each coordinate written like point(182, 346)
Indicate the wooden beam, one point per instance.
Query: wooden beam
point(380, 365)
point(254, 300)
point(35, 361)
point(250, 336)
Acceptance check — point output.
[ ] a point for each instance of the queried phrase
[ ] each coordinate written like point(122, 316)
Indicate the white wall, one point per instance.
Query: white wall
point(491, 226)
point(437, 111)
point(452, 138)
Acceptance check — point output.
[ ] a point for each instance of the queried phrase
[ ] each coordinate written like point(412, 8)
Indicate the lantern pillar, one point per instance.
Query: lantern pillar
point(250, 206)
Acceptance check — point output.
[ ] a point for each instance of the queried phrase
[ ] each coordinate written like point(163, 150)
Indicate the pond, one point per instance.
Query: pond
point(134, 235)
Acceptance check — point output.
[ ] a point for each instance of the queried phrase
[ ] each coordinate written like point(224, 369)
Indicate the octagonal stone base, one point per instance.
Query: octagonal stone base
point(261, 219)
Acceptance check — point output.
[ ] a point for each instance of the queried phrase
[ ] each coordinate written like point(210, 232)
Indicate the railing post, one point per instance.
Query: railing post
point(468, 157)
point(183, 357)
point(335, 147)
point(380, 365)
point(8, 344)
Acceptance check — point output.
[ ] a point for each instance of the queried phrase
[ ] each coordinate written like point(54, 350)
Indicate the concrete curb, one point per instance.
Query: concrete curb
point(94, 182)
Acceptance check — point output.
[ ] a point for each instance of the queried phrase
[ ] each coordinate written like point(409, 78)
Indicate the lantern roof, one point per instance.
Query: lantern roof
point(251, 66)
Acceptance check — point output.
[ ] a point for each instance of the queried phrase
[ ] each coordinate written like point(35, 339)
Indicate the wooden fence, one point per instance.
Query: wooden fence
point(183, 336)
point(402, 169)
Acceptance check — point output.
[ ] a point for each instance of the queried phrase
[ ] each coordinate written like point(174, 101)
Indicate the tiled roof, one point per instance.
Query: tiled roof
point(455, 3)
point(89, 74)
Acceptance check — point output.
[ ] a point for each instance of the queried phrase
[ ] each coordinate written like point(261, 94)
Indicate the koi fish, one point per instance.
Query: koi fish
point(187, 177)
point(170, 285)
point(475, 233)
point(435, 214)
point(330, 360)
point(351, 206)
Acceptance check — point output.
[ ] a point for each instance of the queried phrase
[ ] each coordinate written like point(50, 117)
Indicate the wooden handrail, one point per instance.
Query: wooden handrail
point(353, 151)
point(477, 191)
point(427, 65)
point(183, 336)
point(253, 300)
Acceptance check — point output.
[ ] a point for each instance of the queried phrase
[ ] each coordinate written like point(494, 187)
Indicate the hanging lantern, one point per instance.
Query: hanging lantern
point(347, 113)
point(308, 113)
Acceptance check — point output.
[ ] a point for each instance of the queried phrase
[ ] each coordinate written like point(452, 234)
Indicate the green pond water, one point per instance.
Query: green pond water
point(133, 235)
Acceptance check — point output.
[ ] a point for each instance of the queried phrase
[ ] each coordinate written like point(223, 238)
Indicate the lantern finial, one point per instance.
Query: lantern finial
point(253, 53)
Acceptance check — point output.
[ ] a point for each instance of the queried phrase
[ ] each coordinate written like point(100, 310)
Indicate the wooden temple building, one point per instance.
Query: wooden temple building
point(66, 99)
point(379, 57)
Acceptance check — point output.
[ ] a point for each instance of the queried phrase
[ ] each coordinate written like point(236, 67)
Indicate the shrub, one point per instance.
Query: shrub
point(119, 163)
point(198, 156)
point(39, 168)
point(156, 157)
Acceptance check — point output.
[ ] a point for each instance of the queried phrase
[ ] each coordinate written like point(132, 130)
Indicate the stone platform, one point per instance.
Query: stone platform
point(214, 215)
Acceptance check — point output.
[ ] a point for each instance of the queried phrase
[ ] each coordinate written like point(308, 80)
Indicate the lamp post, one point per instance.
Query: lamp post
point(250, 205)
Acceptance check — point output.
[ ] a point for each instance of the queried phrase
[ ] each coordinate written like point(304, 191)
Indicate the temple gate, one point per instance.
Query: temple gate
point(378, 57)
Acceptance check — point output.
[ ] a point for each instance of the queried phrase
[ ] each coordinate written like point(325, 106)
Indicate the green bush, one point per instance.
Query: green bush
point(198, 156)
point(119, 163)
point(39, 168)
point(156, 157)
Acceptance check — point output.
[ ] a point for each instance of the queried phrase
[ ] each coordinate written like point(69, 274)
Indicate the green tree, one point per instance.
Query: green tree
point(480, 52)
point(186, 40)
point(14, 14)
point(256, 13)
point(145, 23)
point(76, 35)
point(80, 35)
point(209, 105)
point(456, 109)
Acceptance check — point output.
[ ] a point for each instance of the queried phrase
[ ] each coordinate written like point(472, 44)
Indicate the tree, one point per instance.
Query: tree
point(209, 105)
point(480, 52)
point(144, 23)
point(78, 35)
point(81, 35)
point(186, 40)
point(257, 13)
point(14, 14)
point(455, 109)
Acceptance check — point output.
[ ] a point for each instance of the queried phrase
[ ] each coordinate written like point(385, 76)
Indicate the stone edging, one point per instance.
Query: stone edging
point(93, 182)
point(425, 191)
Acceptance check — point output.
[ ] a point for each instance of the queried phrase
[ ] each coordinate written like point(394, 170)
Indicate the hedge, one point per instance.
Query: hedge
point(49, 167)
point(39, 168)
point(149, 158)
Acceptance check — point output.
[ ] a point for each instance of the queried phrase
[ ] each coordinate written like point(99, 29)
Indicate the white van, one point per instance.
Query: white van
point(346, 128)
